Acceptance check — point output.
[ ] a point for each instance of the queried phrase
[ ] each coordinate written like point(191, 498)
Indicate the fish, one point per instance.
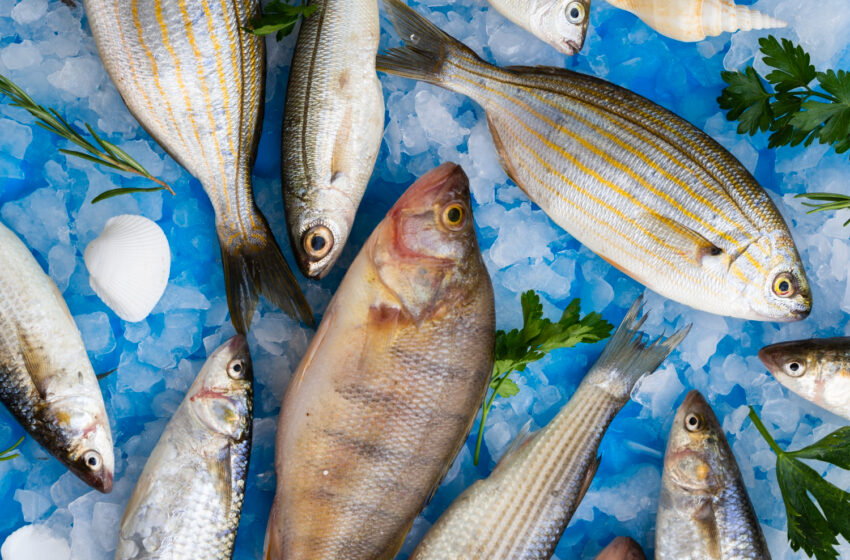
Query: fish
point(188, 499)
point(642, 188)
point(694, 20)
point(622, 548)
point(704, 511)
point(816, 369)
point(46, 379)
point(388, 389)
point(332, 128)
point(193, 77)
point(521, 510)
point(561, 23)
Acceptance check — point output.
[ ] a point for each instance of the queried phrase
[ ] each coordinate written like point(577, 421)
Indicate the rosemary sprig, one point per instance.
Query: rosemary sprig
point(4, 455)
point(826, 201)
point(104, 152)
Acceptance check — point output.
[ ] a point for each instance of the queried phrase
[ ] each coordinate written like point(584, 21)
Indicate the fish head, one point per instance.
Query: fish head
point(425, 251)
point(697, 452)
point(84, 440)
point(622, 548)
point(221, 396)
point(815, 369)
point(561, 23)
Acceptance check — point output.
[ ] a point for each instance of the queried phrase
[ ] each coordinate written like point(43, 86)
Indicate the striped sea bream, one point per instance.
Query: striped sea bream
point(194, 78)
point(644, 189)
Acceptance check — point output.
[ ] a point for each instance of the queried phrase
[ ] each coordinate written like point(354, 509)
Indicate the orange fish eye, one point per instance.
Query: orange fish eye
point(453, 216)
point(318, 242)
point(784, 285)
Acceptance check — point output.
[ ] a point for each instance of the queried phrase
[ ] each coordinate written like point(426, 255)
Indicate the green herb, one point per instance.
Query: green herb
point(538, 336)
point(828, 201)
point(812, 527)
point(4, 455)
point(280, 18)
point(104, 153)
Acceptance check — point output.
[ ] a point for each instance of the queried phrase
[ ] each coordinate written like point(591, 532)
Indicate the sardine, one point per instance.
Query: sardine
point(523, 507)
point(644, 189)
point(388, 389)
point(704, 512)
point(332, 128)
point(561, 23)
point(818, 370)
point(188, 499)
point(194, 78)
point(46, 379)
point(622, 548)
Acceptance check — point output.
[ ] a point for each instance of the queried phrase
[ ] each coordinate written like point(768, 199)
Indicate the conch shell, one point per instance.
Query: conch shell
point(693, 20)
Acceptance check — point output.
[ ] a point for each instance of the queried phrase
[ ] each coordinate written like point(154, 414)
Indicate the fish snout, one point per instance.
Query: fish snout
point(237, 343)
point(768, 358)
point(570, 47)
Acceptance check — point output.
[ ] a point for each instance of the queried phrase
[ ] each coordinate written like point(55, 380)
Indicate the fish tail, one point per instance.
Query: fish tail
point(629, 355)
point(254, 265)
point(426, 48)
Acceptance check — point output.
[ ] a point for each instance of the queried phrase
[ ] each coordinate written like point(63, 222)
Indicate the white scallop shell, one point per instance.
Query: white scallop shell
point(128, 265)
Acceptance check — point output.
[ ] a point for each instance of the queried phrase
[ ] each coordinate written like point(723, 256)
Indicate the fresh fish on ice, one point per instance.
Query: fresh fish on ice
point(561, 23)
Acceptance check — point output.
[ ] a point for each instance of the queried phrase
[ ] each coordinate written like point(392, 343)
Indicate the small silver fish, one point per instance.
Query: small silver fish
point(523, 507)
point(46, 379)
point(187, 502)
point(622, 548)
point(561, 23)
point(817, 369)
point(704, 512)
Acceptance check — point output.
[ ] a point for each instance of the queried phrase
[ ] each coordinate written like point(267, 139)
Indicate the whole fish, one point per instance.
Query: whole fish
point(332, 128)
point(704, 512)
point(523, 507)
point(561, 23)
point(644, 189)
point(187, 502)
point(817, 369)
point(622, 548)
point(194, 77)
point(388, 389)
point(46, 379)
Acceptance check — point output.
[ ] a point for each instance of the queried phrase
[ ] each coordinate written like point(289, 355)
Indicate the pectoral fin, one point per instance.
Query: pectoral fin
point(588, 479)
point(684, 240)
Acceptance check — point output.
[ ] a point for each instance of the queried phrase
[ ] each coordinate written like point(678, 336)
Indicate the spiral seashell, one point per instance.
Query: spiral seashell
point(128, 266)
point(693, 20)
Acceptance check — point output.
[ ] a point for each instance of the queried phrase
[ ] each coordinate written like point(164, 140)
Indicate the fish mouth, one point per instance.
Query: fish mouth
point(694, 398)
point(768, 358)
point(238, 343)
point(570, 47)
point(101, 481)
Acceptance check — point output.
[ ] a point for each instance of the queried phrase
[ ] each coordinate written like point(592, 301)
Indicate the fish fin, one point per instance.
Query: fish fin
point(222, 474)
point(35, 366)
point(272, 545)
point(588, 479)
point(524, 436)
point(687, 242)
point(502, 153)
point(426, 46)
point(255, 268)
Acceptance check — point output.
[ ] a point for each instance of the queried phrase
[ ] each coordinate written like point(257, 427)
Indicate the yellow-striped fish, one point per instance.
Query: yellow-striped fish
point(194, 78)
point(644, 189)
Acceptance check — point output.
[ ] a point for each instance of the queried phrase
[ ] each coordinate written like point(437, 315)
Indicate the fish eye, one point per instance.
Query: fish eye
point(453, 216)
point(795, 368)
point(236, 369)
point(576, 12)
point(93, 460)
point(693, 422)
point(318, 242)
point(784, 285)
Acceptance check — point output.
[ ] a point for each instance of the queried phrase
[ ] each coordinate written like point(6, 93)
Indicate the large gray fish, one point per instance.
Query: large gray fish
point(187, 502)
point(523, 507)
point(561, 23)
point(194, 78)
point(704, 512)
point(46, 378)
point(815, 369)
point(388, 389)
point(332, 128)
point(644, 189)
point(622, 548)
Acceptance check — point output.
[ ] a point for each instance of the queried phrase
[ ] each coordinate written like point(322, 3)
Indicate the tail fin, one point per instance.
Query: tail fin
point(258, 267)
point(426, 46)
point(628, 357)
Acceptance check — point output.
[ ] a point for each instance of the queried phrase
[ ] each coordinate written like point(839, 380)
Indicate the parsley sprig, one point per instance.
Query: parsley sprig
point(538, 336)
point(794, 112)
point(7, 455)
point(812, 527)
point(101, 151)
point(280, 18)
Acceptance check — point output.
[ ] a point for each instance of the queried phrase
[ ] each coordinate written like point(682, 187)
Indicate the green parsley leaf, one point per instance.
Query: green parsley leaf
point(280, 18)
point(538, 336)
point(793, 67)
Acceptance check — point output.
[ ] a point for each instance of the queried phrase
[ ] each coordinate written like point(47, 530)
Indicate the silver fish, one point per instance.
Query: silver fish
point(644, 189)
point(46, 378)
point(332, 128)
point(523, 507)
point(194, 78)
point(187, 502)
point(704, 512)
point(816, 369)
point(561, 23)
